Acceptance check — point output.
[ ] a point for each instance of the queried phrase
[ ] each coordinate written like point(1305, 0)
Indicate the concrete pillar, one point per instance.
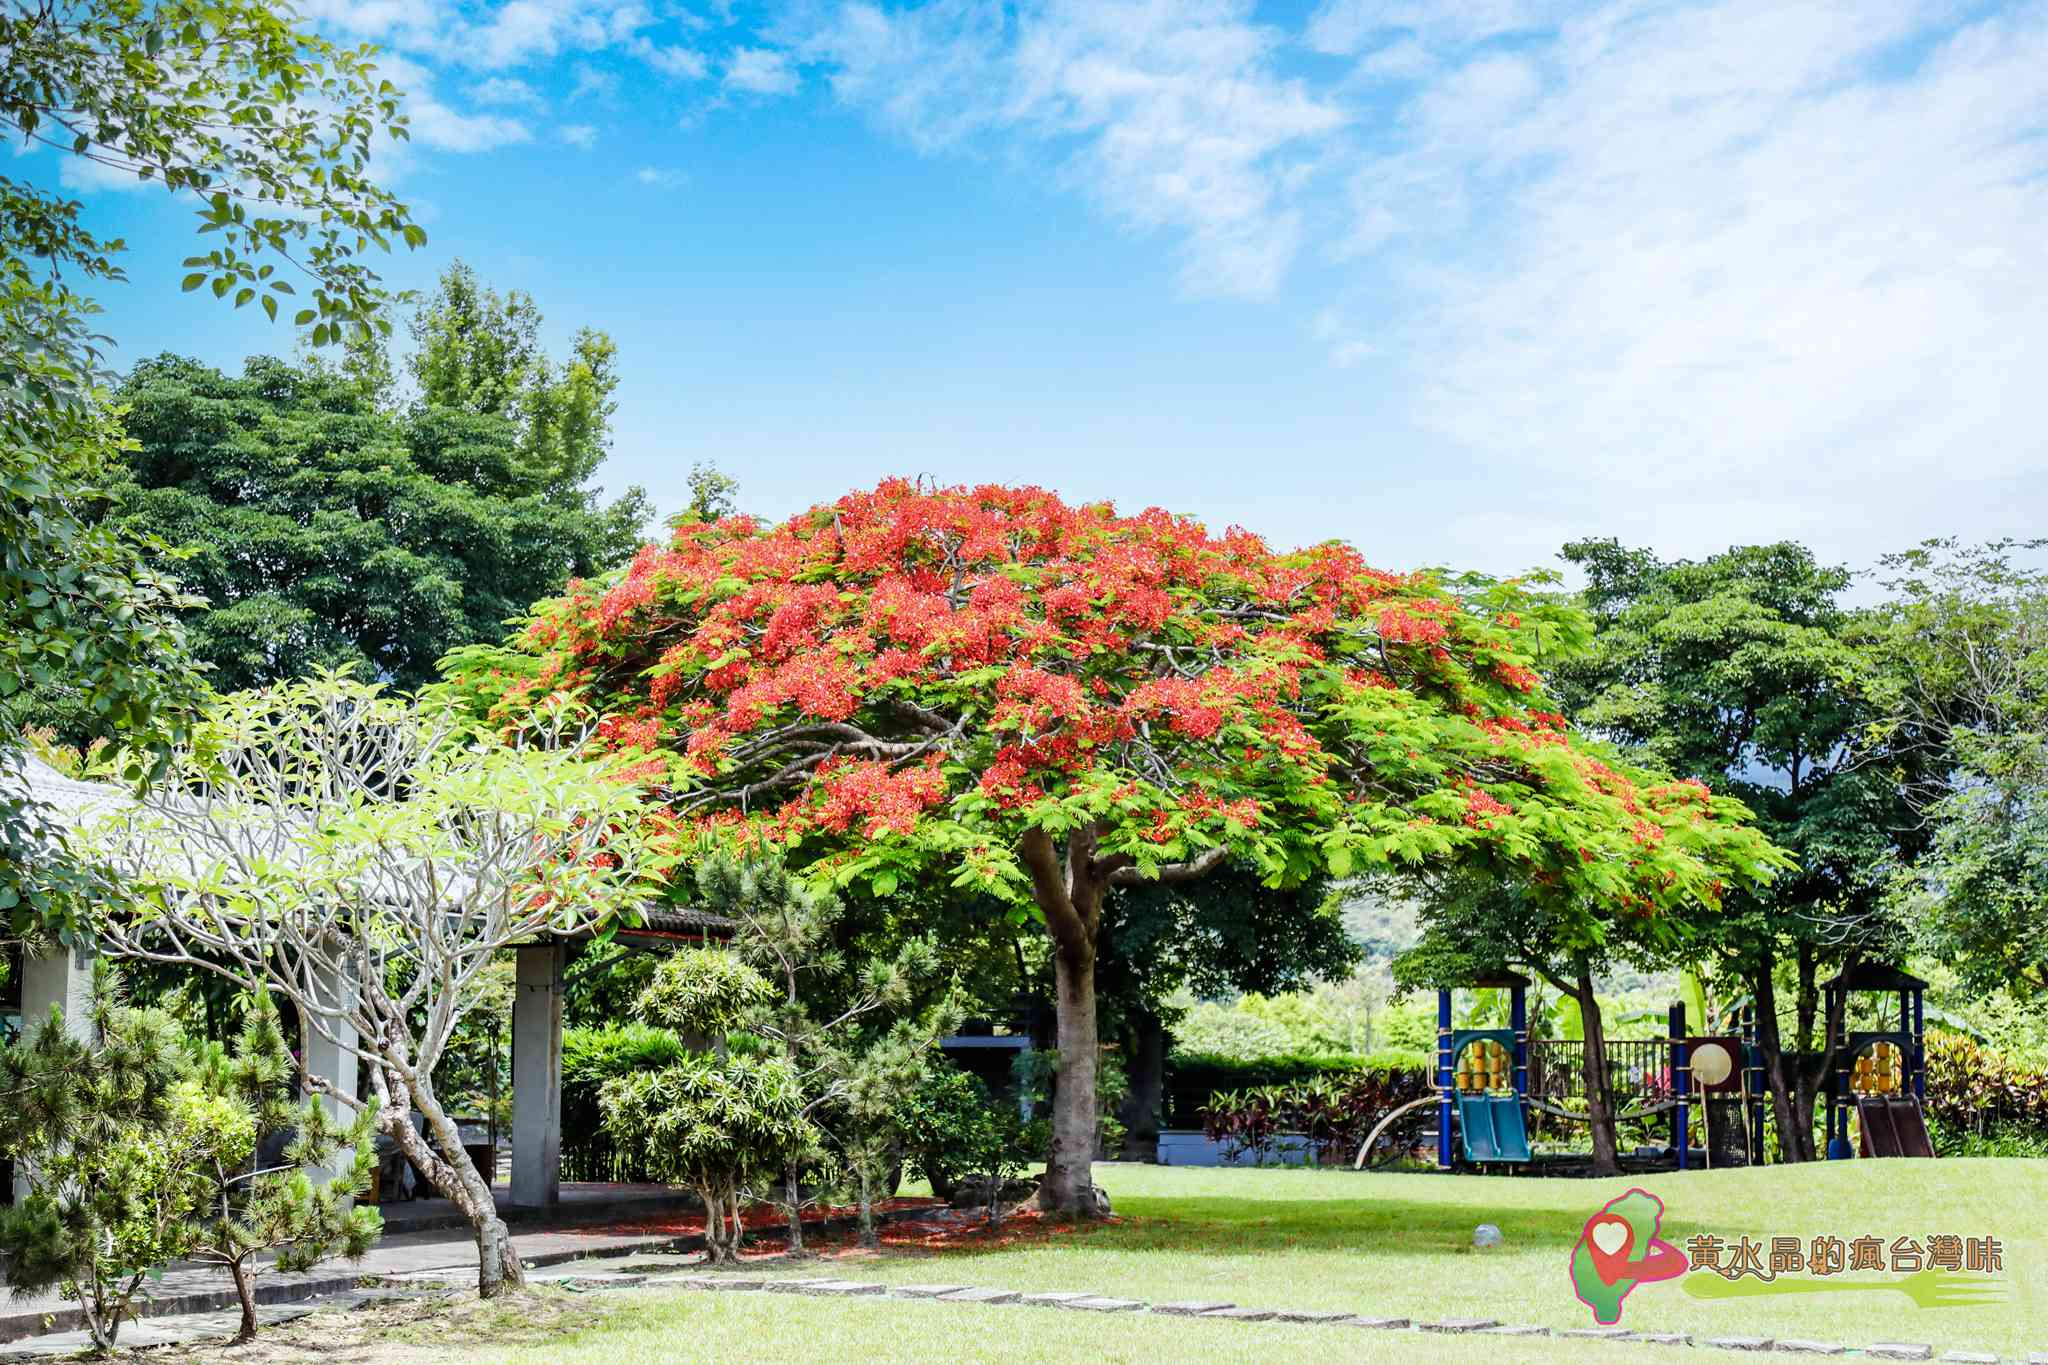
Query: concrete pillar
point(63, 979)
point(537, 1077)
point(333, 1060)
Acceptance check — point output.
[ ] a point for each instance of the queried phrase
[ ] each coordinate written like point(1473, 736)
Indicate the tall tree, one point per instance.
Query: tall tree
point(479, 352)
point(1739, 670)
point(369, 860)
point(1223, 934)
point(1053, 700)
point(321, 529)
point(1959, 670)
point(270, 129)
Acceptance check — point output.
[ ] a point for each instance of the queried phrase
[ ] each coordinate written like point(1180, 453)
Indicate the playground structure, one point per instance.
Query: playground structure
point(1492, 1085)
point(1878, 1075)
point(1482, 1080)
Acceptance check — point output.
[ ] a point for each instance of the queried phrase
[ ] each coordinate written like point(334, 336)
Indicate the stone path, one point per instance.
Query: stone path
point(434, 1256)
point(574, 1271)
point(1087, 1302)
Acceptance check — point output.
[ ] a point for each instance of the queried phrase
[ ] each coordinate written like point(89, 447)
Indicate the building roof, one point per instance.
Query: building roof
point(71, 804)
point(1875, 976)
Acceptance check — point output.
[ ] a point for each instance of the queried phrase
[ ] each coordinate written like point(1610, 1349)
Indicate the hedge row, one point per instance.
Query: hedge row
point(1191, 1078)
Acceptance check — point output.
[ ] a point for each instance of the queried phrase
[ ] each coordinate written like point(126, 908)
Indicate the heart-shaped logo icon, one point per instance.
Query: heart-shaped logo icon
point(1610, 1236)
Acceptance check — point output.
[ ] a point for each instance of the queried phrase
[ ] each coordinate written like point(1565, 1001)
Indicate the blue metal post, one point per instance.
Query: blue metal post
point(1753, 1061)
point(1919, 1048)
point(1681, 1083)
point(1443, 1080)
point(1518, 1018)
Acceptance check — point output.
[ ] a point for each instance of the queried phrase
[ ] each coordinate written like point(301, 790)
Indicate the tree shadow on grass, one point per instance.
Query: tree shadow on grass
point(1229, 1226)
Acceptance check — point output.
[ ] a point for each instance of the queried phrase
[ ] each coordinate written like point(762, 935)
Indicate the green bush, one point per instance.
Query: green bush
point(1984, 1100)
point(590, 1057)
point(1191, 1078)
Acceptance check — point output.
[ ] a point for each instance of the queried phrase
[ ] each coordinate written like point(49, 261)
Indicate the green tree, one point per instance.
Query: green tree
point(1223, 935)
point(479, 352)
point(241, 1106)
point(1959, 670)
point(96, 1125)
point(1051, 701)
point(715, 1121)
point(1741, 671)
point(822, 1017)
point(323, 531)
point(270, 130)
point(399, 852)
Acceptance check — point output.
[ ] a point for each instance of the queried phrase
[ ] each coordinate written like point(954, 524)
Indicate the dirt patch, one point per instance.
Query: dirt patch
point(410, 1331)
point(953, 1232)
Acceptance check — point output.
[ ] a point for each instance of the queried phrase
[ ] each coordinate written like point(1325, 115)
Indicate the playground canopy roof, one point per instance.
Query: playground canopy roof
point(1875, 976)
point(1501, 980)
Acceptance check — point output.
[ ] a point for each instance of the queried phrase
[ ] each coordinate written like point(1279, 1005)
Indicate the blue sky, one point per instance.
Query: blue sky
point(1455, 282)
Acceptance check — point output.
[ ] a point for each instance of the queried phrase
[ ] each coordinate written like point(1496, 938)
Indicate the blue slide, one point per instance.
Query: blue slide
point(1491, 1128)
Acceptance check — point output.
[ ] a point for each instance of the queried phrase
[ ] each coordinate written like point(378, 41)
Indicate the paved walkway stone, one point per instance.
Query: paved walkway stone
point(1383, 1324)
point(1242, 1314)
point(1191, 1308)
point(846, 1288)
point(1095, 1304)
point(796, 1286)
point(1595, 1333)
point(1054, 1298)
point(1970, 1358)
point(1738, 1343)
point(925, 1291)
point(1514, 1329)
point(982, 1296)
point(1307, 1315)
point(1458, 1325)
point(1659, 1338)
point(1797, 1347)
point(1902, 1350)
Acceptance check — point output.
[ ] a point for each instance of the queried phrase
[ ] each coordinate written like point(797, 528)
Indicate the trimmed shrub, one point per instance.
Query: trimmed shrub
point(590, 1057)
point(1191, 1078)
point(1335, 1111)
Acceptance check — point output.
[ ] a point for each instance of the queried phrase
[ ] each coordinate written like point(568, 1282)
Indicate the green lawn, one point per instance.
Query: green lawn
point(1390, 1245)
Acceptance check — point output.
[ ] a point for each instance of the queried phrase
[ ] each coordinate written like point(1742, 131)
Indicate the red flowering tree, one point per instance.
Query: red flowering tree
point(1045, 701)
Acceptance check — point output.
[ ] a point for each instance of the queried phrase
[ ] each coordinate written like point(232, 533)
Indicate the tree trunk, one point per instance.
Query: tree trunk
point(449, 1170)
point(1140, 1112)
point(794, 1190)
point(245, 1293)
point(1069, 1173)
point(1795, 1143)
point(869, 1237)
point(1599, 1098)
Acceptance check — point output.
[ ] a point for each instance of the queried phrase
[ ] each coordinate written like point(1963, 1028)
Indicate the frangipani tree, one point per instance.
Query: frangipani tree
point(365, 859)
point(1050, 700)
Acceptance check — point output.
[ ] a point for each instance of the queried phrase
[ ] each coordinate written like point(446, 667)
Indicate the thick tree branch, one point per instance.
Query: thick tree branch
point(1195, 867)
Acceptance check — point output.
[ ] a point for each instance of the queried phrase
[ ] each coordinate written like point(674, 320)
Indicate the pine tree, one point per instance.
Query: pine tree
point(91, 1121)
point(252, 1207)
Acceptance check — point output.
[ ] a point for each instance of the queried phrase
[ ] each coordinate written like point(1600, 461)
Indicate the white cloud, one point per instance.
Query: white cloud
point(84, 176)
point(441, 127)
point(658, 177)
point(583, 135)
point(506, 90)
point(1171, 113)
point(759, 71)
point(594, 82)
point(1349, 26)
point(1672, 247)
point(683, 63)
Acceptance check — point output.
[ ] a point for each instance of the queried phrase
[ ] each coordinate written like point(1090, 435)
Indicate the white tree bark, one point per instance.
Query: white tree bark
point(325, 832)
